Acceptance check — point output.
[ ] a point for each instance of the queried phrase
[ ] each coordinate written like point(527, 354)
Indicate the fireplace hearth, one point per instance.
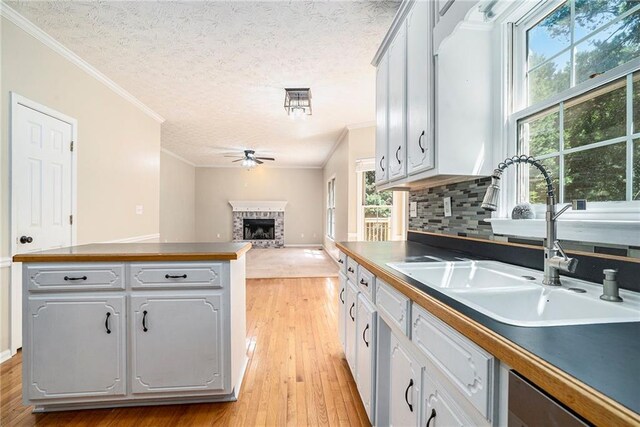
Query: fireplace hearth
point(258, 229)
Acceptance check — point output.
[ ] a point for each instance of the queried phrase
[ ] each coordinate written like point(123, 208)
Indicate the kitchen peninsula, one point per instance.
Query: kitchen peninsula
point(108, 325)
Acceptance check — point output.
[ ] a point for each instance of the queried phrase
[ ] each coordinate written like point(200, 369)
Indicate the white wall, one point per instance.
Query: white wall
point(177, 199)
point(301, 188)
point(118, 147)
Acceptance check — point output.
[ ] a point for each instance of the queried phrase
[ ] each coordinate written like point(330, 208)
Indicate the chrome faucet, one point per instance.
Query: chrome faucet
point(555, 260)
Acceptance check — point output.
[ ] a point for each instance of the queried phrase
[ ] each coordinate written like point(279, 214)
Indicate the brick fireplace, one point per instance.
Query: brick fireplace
point(259, 222)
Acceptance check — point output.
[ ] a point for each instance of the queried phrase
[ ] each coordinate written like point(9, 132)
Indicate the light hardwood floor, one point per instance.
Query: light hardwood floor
point(297, 374)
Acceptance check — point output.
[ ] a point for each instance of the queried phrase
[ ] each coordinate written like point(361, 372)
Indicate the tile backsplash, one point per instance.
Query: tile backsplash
point(467, 218)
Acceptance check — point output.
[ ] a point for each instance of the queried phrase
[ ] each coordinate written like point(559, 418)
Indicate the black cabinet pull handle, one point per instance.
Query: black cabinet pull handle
point(168, 276)
point(342, 293)
point(144, 321)
point(364, 332)
point(340, 261)
point(406, 394)
point(397, 152)
point(364, 282)
point(350, 270)
point(431, 417)
point(420, 141)
point(351, 312)
point(106, 323)
point(75, 278)
point(381, 160)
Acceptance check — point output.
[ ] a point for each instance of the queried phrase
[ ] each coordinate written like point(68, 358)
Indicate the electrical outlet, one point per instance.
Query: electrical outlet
point(218, 235)
point(139, 209)
point(301, 234)
point(413, 209)
point(447, 206)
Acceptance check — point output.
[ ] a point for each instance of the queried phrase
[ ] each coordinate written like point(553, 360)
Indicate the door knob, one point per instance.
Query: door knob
point(26, 239)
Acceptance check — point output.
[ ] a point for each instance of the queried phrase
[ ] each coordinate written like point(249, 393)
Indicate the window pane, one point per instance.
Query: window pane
point(597, 116)
point(594, 14)
point(537, 183)
point(549, 78)
point(636, 170)
point(615, 45)
point(549, 36)
point(598, 175)
point(540, 135)
point(636, 102)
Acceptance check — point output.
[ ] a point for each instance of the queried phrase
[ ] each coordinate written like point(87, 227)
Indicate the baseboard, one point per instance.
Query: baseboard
point(5, 355)
point(136, 239)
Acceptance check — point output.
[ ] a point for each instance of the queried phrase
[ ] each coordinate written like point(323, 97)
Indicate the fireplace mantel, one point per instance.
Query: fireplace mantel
point(258, 206)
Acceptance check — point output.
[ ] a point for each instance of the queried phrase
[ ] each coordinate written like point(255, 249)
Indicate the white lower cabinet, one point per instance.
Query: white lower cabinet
point(440, 408)
point(75, 347)
point(350, 329)
point(405, 376)
point(178, 342)
point(365, 355)
point(342, 309)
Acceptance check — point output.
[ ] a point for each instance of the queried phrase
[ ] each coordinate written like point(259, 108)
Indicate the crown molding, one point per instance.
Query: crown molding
point(343, 134)
point(40, 35)
point(174, 155)
point(263, 166)
point(361, 125)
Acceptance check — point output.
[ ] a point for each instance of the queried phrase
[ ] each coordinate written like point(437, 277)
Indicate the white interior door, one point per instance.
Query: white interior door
point(41, 189)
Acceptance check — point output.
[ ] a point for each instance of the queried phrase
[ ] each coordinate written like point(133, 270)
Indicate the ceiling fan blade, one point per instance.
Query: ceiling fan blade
point(239, 160)
point(265, 158)
point(258, 161)
point(232, 155)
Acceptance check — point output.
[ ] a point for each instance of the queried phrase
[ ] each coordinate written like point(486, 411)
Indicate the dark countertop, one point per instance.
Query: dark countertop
point(605, 357)
point(107, 252)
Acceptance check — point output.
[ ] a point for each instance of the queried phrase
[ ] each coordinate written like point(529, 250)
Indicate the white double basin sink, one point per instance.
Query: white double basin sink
point(516, 295)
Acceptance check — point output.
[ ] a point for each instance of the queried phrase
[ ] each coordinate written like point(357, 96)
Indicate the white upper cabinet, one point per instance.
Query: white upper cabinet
point(382, 129)
point(397, 105)
point(420, 153)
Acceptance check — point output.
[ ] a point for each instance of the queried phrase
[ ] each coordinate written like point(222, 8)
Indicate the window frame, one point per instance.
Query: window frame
point(514, 27)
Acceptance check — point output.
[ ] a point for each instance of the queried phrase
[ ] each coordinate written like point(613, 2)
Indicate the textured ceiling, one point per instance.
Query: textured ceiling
point(216, 71)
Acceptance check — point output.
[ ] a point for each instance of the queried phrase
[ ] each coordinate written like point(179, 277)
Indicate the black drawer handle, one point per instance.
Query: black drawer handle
point(144, 321)
point(406, 394)
point(340, 261)
point(364, 332)
point(168, 276)
point(398, 152)
point(351, 312)
point(106, 323)
point(342, 293)
point(75, 278)
point(382, 160)
point(420, 142)
point(364, 282)
point(431, 417)
point(350, 270)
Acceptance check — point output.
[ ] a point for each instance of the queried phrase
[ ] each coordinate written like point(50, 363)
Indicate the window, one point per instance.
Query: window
point(577, 40)
point(331, 208)
point(581, 117)
point(377, 208)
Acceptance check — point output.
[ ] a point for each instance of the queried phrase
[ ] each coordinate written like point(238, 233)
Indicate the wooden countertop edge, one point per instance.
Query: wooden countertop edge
point(583, 399)
point(202, 256)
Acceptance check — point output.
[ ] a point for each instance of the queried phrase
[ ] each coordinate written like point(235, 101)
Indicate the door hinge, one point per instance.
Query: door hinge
point(71, 146)
point(71, 219)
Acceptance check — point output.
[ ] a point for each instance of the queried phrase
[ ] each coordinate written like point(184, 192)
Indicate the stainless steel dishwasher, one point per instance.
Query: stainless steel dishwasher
point(531, 407)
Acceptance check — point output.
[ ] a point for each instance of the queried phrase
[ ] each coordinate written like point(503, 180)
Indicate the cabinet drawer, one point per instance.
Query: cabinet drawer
point(342, 260)
point(469, 368)
point(366, 282)
point(74, 277)
point(352, 270)
point(394, 305)
point(182, 275)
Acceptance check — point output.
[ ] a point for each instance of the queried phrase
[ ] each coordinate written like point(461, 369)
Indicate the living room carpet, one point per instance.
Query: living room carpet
point(289, 262)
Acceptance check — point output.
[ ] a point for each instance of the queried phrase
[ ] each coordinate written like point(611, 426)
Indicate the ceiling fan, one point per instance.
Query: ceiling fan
point(249, 159)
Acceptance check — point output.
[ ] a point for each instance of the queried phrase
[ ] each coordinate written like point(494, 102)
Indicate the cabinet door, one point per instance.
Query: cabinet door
point(397, 105)
point(365, 338)
point(350, 335)
point(178, 343)
point(75, 347)
point(342, 309)
point(420, 100)
point(440, 408)
point(382, 128)
point(405, 376)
